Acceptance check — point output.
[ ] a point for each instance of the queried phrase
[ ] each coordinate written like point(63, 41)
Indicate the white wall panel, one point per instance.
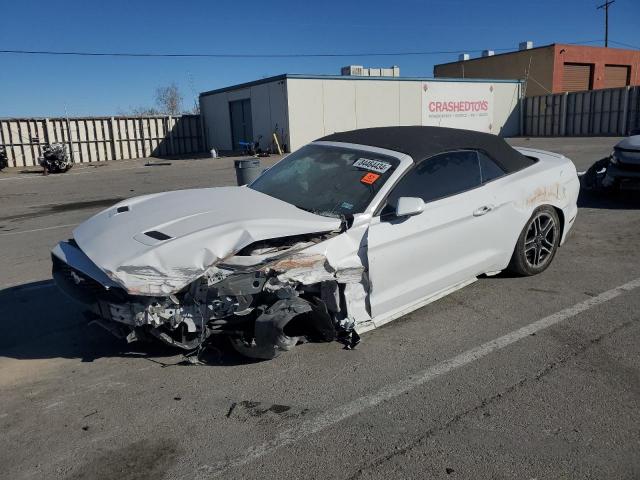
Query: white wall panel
point(339, 106)
point(306, 111)
point(377, 103)
point(410, 98)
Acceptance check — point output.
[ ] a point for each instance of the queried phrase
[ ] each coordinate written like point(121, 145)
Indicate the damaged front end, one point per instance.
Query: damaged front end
point(266, 298)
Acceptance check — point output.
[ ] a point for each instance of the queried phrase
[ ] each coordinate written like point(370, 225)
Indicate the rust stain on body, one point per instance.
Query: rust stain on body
point(545, 194)
point(298, 261)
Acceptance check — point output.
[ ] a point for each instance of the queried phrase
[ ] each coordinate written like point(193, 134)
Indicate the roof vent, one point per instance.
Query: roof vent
point(360, 71)
point(122, 209)
point(463, 56)
point(488, 53)
point(528, 45)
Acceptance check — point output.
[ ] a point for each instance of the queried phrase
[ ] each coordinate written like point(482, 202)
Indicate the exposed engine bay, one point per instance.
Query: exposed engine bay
point(268, 297)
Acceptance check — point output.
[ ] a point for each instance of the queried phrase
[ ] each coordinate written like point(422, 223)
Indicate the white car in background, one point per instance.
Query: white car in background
point(342, 236)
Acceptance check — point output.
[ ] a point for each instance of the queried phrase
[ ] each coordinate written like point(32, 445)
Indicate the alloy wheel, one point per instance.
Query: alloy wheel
point(540, 241)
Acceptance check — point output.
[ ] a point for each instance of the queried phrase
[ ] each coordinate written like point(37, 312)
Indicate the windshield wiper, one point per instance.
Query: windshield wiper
point(322, 213)
point(304, 208)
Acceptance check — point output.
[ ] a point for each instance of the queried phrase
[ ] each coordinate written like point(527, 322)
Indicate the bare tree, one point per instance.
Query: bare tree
point(169, 99)
point(143, 112)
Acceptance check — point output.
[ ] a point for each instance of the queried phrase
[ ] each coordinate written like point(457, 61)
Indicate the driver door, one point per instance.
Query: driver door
point(419, 256)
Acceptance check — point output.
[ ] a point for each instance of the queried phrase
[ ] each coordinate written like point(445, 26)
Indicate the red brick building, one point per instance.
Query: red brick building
point(552, 68)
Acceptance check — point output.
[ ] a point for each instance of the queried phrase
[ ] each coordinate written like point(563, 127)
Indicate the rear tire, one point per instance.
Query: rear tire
point(538, 243)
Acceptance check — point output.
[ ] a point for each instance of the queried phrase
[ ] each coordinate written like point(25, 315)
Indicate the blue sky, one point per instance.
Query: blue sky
point(46, 86)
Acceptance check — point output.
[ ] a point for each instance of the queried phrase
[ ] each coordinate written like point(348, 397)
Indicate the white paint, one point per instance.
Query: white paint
point(204, 225)
point(405, 310)
point(38, 229)
point(359, 405)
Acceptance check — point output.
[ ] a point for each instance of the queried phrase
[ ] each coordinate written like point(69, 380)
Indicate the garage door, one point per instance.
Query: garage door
point(616, 76)
point(577, 77)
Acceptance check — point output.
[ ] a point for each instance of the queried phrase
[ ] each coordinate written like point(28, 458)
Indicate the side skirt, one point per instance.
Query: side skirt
point(381, 320)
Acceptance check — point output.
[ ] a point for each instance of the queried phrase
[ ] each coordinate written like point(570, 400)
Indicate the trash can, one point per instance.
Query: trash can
point(247, 170)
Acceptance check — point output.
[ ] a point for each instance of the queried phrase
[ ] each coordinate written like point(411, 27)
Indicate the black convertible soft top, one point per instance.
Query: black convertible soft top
point(424, 142)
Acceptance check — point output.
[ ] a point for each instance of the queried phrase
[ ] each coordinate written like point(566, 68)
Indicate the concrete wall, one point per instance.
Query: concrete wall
point(512, 65)
point(97, 139)
point(319, 107)
point(268, 112)
point(608, 111)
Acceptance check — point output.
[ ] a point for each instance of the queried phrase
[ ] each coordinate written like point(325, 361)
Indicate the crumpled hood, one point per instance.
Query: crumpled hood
point(203, 226)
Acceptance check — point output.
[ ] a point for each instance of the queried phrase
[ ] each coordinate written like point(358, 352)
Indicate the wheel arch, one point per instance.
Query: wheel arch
point(560, 213)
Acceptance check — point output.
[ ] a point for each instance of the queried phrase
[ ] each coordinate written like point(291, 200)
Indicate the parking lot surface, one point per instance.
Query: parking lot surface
point(533, 377)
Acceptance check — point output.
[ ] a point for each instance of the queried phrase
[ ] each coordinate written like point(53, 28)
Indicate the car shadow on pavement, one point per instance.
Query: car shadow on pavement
point(615, 200)
point(39, 322)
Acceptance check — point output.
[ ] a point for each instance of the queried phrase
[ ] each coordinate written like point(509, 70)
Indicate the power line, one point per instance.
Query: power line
point(249, 55)
point(234, 55)
point(626, 45)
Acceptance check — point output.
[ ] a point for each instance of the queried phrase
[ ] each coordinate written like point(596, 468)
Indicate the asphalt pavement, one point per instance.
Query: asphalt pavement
point(508, 378)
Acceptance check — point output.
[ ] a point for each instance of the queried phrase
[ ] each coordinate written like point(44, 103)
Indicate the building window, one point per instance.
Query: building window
point(616, 76)
point(577, 77)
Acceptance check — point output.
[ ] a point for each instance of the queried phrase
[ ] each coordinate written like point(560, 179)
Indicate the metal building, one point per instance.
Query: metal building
point(302, 108)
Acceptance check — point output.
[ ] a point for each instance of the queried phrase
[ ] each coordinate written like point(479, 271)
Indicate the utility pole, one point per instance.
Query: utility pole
point(605, 7)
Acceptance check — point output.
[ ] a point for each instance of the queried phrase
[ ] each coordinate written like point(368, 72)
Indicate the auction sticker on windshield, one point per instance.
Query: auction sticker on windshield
point(372, 165)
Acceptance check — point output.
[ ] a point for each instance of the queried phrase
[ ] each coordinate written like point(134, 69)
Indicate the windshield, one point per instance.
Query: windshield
point(329, 181)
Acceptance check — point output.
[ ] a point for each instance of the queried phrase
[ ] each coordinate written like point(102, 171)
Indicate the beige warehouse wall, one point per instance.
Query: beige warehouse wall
point(319, 107)
point(268, 114)
point(513, 65)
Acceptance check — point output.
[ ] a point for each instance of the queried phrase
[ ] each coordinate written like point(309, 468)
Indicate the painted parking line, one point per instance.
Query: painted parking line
point(38, 229)
point(357, 406)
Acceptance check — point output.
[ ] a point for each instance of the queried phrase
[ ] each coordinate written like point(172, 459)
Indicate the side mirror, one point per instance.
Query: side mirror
point(409, 206)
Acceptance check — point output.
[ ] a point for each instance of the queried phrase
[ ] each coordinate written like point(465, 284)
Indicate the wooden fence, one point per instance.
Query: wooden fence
point(98, 139)
point(611, 111)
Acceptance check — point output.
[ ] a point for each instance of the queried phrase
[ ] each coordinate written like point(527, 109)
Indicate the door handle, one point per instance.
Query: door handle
point(482, 210)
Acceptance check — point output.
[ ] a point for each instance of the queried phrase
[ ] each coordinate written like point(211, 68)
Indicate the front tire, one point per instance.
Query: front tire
point(538, 243)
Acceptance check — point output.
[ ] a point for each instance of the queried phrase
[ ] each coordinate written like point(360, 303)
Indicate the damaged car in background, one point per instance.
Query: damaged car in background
point(344, 235)
point(620, 170)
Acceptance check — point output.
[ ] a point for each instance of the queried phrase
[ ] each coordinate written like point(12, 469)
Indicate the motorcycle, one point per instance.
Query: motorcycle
point(55, 158)
point(4, 161)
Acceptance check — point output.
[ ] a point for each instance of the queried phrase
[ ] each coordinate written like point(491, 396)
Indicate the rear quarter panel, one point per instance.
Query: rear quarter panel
point(552, 180)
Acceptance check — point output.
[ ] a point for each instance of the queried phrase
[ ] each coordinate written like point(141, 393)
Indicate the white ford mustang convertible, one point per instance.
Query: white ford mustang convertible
point(342, 236)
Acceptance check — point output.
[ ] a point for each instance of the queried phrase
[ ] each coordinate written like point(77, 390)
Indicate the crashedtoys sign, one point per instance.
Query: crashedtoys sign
point(458, 105)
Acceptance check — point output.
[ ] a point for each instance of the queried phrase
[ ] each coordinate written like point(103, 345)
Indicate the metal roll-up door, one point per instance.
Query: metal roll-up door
point(616, 76)
point(577, 77)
